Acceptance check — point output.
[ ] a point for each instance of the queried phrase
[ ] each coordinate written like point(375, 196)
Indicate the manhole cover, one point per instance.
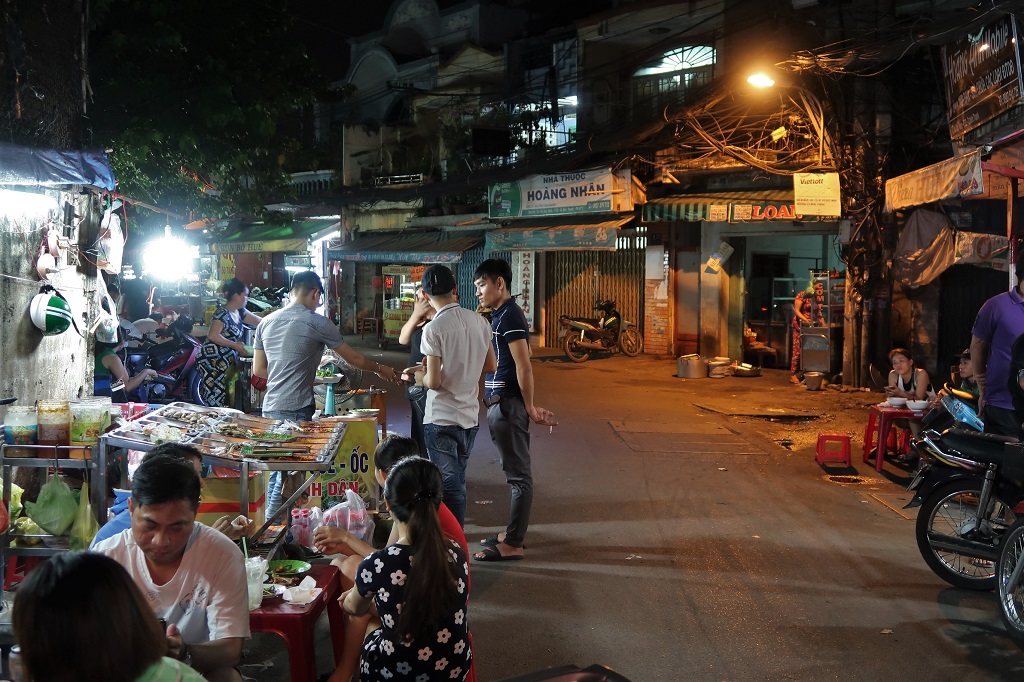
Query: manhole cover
point(846, 479)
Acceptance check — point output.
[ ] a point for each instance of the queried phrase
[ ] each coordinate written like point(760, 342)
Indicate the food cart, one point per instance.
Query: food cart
point(398, 290)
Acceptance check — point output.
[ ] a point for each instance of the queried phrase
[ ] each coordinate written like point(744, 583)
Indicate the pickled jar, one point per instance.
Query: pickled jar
point(20, 426)
point(89, 418)
point(54, 420)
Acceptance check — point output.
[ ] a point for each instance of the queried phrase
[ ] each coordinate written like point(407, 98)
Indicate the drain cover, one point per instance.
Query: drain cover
point(846, 479)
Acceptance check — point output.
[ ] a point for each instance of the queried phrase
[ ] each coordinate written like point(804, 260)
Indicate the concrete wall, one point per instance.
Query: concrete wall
point(33, 366)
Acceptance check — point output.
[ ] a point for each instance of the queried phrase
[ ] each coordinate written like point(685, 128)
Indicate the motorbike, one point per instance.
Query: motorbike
point(608, 333)
point(970, 488)
point(174, 360)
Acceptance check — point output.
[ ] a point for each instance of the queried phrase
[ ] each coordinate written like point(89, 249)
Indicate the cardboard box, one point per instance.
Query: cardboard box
point(221, 495)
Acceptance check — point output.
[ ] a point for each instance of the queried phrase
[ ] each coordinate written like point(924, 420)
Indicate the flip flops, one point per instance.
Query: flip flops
point(492, 541)
point(491, 553)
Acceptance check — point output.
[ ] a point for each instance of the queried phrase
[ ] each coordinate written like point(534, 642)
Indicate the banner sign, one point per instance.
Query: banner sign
point(985, 250)
point(591, 191)
point(524, 277)
point(262, 246)
point(817, 194)
point(960, 177)
point(982, 75)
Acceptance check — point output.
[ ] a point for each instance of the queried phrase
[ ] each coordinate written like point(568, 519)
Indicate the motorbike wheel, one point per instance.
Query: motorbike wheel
point(192, 388)
point(949, 510)
point(1011, 587)
point(630, 342)
point(571, 346)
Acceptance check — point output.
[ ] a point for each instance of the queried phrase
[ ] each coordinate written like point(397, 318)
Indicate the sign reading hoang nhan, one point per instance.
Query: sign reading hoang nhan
point(598, 190)
point(983, 78)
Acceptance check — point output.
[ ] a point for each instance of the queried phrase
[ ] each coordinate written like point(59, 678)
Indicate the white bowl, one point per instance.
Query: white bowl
point(917, 405)
point(897, 402)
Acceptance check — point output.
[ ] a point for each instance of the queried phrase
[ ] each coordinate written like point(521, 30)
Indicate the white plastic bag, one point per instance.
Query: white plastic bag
point(111, 243)
point(351, 515)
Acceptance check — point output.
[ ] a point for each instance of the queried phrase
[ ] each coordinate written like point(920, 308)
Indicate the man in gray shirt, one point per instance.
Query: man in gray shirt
point(287, 352)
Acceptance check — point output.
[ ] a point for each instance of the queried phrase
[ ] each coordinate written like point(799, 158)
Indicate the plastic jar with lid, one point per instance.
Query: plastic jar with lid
point(54, 420)
point(20, 426)
point(89, 417)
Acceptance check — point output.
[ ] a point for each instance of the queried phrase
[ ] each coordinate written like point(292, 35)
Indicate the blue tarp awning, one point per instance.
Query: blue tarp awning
point(413, 248)
point(564, 233)
point(28, 167)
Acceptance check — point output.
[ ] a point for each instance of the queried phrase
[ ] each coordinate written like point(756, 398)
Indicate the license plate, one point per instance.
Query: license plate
point(918, 477)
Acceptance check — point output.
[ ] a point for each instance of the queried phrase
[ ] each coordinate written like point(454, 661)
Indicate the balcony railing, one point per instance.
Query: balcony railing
point(388, 180)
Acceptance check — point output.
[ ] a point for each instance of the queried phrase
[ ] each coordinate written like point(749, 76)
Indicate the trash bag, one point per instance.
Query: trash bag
point(54, 510)
point(85, 526)
point(351, 515)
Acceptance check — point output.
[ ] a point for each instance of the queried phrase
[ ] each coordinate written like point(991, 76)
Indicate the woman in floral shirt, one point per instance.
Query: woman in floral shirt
point(423, 634)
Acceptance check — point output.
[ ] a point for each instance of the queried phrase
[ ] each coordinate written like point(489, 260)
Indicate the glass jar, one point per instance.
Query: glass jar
point(54, 420)
point(20, 426)
point(89, 417)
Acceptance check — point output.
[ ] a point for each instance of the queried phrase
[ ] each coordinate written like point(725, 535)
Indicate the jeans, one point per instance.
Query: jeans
point(276, 479)
point(417, 396)
point(510, 431)
point(448, 447)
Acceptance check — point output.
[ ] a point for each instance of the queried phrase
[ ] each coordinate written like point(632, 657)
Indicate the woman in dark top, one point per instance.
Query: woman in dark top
point(224, 343)
point(410, 335)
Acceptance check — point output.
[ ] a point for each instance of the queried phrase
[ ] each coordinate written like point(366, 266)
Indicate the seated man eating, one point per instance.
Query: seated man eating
point(192, 576)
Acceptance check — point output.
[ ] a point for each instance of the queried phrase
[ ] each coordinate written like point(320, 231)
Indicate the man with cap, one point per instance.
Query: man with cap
point(286, 352)
point(966, 371)
point(457, 351)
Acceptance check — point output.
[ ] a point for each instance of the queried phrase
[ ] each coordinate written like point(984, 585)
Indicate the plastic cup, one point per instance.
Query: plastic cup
point(255, 572)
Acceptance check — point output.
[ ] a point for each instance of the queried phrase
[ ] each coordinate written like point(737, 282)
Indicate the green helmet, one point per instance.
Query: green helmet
point(50, 313)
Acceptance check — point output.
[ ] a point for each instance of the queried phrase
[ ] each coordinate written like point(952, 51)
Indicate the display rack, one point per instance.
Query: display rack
point(63, 457)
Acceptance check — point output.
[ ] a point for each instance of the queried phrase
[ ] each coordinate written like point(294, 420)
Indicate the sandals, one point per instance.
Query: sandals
point(492, 553)
point(794, 379)
point(492, 541)
point(907, 458)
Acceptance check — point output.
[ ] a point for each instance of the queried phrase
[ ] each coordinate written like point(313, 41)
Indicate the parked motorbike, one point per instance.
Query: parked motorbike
point(607, 333)
point(970, 489)
point(1010, 581)
point(174, 360)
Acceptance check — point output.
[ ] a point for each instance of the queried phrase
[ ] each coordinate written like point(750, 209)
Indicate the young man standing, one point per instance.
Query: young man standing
point(510, 408)
point(457, 351)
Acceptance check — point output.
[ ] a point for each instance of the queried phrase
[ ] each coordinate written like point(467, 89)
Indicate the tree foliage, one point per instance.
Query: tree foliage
point(194, 96)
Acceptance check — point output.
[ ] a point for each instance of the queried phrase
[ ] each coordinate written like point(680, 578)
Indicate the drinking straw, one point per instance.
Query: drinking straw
point(245, 550)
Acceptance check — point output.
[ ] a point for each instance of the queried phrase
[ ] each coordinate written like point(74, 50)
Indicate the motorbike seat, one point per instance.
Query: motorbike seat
point(980, 447)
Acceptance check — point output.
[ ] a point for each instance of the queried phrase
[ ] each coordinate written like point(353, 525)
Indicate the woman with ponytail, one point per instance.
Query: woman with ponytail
point(419, 585)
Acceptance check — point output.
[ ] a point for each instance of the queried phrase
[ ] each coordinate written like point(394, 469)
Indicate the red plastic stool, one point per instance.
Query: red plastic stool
point(826, 454)
point(18, 568)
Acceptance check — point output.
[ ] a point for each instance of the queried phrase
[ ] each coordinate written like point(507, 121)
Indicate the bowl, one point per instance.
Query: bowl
point(917, 405)
point(897, 402)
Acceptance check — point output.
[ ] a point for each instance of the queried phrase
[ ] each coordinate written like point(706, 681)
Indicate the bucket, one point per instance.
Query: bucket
point(813, 380)
point(692, 367)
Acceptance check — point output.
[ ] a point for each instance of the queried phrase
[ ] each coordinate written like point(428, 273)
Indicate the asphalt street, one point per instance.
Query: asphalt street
point(676, 537)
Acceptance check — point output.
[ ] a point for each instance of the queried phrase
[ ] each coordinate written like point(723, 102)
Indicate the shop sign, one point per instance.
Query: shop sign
point(524, 270)
point(719, 257)
point(960, 176)
point(982, 75)
point(985, 250)
point(262, 246)
point(764, 212)
point(817, 194)
point(352, 469)
point(591, 191)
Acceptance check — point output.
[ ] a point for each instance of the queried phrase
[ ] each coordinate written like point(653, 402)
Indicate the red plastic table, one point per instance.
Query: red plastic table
point(295, 623)
point(883, 416)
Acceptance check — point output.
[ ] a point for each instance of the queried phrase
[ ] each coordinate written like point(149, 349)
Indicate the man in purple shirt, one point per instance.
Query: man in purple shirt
point(1000, 321)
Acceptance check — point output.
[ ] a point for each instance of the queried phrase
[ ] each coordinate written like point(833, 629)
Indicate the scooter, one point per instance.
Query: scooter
point(970, 488)
point(607, 333)
point(175, 363)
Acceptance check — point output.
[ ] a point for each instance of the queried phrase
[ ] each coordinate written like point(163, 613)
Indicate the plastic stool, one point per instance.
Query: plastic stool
point(18, 568)
point(826, 454)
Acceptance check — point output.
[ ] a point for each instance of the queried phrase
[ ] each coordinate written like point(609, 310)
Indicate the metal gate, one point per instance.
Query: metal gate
point(577, 279)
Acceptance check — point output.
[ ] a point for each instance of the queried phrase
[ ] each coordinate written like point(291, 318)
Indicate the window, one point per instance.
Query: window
point(668, 78)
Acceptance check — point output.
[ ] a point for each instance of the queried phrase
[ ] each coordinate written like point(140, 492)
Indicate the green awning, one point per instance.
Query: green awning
point(261, 237)
point(413, 248)
point(746, 206)
point(569, 233)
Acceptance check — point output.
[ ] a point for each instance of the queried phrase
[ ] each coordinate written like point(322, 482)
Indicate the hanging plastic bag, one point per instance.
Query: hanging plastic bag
point(111, 243)
point(86, 526)
point(54, 510)
point(351, 515)
point(16, 492)
point(5, 519)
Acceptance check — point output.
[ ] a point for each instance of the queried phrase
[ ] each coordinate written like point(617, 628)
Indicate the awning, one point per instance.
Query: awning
point(262, 238)
point(568, 233)
point(418, 247)
point(961, 177)
point(733, 207)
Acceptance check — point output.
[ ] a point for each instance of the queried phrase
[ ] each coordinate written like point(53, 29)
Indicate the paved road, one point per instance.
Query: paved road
point(674, 543)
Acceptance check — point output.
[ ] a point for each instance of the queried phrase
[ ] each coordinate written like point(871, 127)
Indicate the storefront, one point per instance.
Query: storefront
point(390, 265)
point(737, 260)
point(256, 253)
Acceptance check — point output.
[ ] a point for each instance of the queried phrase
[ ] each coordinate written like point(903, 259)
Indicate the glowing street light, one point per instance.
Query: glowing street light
point(760, 80)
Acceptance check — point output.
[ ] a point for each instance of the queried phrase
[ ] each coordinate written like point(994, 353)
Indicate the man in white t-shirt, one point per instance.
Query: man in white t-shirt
point(192, 576)
point(457, 350)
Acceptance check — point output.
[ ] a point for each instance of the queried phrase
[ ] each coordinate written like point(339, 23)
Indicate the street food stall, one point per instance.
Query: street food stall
point(398, 290)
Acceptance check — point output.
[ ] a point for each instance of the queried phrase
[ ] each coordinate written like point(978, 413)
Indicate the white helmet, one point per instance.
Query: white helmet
point(50, 313)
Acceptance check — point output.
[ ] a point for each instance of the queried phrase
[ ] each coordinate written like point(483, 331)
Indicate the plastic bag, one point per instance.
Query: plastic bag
point(316, 519)
point(5, 519)
point(351, 515)
point(85, 526)
point(55, 508)
point(16, 492)
point(26, 527)
point(111, 243)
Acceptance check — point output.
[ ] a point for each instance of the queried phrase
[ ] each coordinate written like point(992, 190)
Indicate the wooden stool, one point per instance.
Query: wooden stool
point(826, 454)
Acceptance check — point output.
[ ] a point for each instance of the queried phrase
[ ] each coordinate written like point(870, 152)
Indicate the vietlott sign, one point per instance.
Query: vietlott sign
point(591, 191)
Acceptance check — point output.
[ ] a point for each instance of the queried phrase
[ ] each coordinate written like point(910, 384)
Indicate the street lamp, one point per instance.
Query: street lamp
point(808, 103)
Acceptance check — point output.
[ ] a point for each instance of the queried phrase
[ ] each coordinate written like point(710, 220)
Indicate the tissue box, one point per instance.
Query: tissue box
point(222, 495)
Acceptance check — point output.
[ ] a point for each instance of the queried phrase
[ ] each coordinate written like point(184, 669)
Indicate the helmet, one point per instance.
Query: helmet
point(50, 313)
